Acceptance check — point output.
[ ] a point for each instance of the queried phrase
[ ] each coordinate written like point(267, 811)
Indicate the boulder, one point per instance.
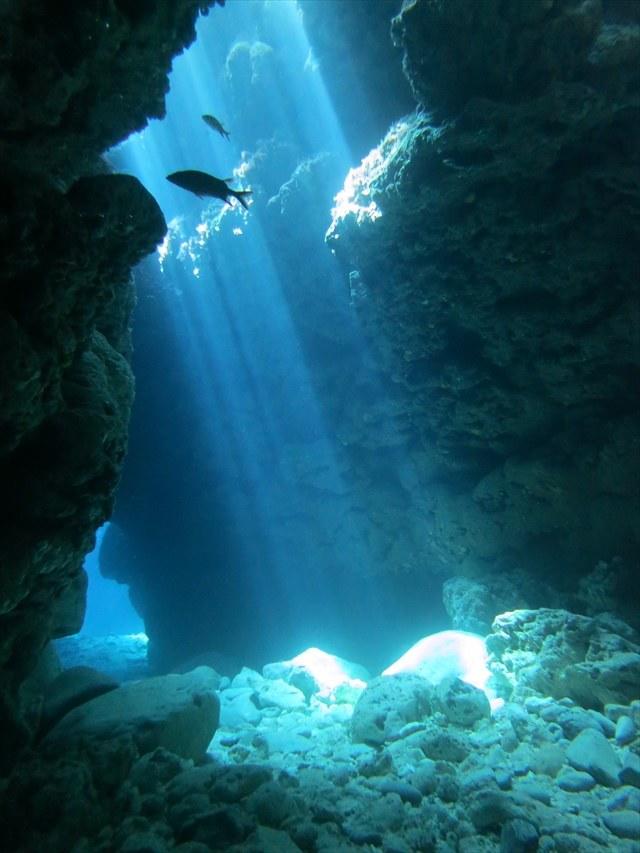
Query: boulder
point(630, 773)
point(279, 694)
point(592, 753)
point(71, 688)
point(177, 712)
point(623, 824)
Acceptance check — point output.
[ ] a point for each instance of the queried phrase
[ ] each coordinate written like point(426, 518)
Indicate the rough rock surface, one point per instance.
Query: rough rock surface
point(75, 84)
point(593, 661)
point(472, 605)
point(490, 245)
point(387, 705)
point(71, 85)
point(461, 703)
point(294, 778)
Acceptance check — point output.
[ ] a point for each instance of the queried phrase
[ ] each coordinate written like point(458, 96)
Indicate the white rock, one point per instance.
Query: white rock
point(341, 714)
point(237, 708)
point(247, 678)
point(327, 670)
point(279, 694)
point(444, 655)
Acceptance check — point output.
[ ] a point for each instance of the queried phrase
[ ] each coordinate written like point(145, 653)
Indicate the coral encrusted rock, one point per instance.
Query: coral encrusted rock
point(490, 245)
point(593, 661)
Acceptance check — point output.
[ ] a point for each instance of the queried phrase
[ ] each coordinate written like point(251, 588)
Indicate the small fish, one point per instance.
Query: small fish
point(213, 123)
point(203, 184)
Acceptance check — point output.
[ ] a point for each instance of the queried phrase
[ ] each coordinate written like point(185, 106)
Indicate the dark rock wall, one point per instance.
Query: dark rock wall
point(351, 42)
point(72, 83)
point(500, 286)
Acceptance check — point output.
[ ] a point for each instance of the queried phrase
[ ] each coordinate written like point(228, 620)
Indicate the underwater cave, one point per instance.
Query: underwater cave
point(319, 426)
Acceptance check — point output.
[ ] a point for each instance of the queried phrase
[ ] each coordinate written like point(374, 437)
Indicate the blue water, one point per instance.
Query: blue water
point(109, 608)
point(238, 503)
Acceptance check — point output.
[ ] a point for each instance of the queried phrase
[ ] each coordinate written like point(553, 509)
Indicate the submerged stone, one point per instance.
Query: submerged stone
point(461, 703)
point(575, 780)
point(518, 836)
point(447, 654)
point(625, 730)
point(177, 712)
point(71, 688)
point(387, 705)
point(623, 824)
point(630, 773)
point(591, 751)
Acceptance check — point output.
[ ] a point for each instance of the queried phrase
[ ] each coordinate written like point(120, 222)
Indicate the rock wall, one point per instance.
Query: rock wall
point(491, 248)
point(72, 83)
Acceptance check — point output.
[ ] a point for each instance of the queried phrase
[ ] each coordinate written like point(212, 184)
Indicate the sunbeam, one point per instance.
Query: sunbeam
point(260, 315)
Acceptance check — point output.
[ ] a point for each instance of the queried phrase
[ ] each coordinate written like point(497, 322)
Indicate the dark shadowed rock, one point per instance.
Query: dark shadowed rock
point(71, 688)
point(455, 51)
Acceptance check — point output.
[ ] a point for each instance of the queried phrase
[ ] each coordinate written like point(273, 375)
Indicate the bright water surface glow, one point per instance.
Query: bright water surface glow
point(218, 273)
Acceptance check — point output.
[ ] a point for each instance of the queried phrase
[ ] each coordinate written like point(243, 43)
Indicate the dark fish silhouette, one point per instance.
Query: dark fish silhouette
point(213, 123)
point(203, 184)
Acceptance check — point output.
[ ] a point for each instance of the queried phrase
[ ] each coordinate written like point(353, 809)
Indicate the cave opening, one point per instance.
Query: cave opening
point(369, 575)
point(241, 525)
